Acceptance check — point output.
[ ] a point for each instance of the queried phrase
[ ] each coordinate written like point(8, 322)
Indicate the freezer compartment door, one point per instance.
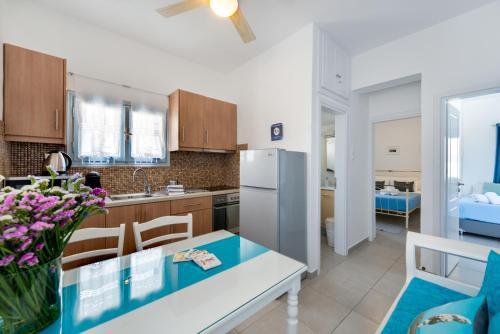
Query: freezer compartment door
point(259, 168)
point(259, 216)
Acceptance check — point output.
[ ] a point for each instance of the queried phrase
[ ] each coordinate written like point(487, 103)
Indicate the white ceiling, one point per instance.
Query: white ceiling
point(201, 37)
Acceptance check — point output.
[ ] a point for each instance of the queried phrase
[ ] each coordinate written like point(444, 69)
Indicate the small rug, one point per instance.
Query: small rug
point(390, 228)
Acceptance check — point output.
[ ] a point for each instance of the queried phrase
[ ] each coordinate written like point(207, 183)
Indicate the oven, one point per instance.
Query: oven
point(226, 212)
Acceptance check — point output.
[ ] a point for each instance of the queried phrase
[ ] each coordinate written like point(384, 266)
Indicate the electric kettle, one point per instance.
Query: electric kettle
point(59, 161)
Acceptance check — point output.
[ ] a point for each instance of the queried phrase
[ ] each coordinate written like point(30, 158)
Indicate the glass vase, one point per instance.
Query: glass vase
point(30, 299)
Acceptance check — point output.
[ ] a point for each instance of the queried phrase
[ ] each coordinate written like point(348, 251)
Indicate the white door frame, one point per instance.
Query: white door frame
point(371, 159)
point(443, 135)
point(314, 235)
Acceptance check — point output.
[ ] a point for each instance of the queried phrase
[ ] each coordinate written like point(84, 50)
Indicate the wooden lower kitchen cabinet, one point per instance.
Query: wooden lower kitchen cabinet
point(130, 214)
point(96, 221)
point(200, 208)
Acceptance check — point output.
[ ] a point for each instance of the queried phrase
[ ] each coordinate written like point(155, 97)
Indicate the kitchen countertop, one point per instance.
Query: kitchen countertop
point(328, 188)
point(160, 197)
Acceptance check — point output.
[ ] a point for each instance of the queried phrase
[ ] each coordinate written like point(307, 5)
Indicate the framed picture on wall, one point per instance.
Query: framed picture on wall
point(392, 150)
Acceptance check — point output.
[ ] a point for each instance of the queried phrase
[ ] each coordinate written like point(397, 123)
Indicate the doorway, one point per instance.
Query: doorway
point(471, 186)
point(397, 172)
point(336, 119)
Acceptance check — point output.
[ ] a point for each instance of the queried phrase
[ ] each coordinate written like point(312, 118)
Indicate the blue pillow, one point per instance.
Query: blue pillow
point(491, 188)
point(494, 327)
point(467, 316)
point(491, 283)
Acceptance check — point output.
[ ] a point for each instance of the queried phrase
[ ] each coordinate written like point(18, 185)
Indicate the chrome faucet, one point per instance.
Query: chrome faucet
point(147, 187)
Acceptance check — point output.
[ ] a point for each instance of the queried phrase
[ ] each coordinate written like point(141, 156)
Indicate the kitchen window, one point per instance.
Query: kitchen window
point(111, 124)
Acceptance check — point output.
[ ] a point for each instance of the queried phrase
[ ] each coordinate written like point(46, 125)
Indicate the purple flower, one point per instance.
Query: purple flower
point(29, 258)
point(99, 192)
point(39, 246)
point(14, 232)
point(24, 245)
point(6, 260)
point(63, 215)
point(40, 226)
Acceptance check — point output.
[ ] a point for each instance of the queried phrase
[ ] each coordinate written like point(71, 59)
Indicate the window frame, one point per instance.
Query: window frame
point(72, 136)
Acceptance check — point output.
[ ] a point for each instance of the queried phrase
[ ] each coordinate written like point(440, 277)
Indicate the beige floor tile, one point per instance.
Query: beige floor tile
point(338, 286)
point(274, 322)
point(258, 315)
point(318, 312)
point(356, 324)
point(374, 306)
point(390, 284)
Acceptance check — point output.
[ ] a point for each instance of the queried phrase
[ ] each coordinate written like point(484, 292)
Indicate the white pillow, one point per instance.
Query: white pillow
point(493, 198)
point(480, 198)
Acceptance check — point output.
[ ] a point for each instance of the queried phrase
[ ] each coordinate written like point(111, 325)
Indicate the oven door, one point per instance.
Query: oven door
point(227, 217)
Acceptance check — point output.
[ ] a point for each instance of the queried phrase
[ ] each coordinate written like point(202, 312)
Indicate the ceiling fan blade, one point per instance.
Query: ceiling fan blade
point(242, 26)
point(181, 7)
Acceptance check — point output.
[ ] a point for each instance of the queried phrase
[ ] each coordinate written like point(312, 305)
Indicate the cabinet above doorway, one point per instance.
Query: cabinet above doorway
point(200, 123)
point(334, 69)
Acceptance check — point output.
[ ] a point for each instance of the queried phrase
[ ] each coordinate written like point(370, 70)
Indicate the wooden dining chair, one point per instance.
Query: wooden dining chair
point(97, 233)
point(161, 222)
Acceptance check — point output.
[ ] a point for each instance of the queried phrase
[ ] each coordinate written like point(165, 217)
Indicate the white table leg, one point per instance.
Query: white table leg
point(293, 307)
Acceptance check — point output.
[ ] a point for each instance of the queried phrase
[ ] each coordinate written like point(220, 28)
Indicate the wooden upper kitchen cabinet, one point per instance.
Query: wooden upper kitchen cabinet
point(34, 96)
point(219, 120)
point(199, 123)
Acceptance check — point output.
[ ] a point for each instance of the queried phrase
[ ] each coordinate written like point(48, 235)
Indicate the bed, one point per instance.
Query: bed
point(401, 205)
point(479, 218)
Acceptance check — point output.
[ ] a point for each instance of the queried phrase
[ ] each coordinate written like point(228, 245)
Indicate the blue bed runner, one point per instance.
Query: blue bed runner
point(105, 291)
point(397, 202)
point(418, 297)
point(483, 212)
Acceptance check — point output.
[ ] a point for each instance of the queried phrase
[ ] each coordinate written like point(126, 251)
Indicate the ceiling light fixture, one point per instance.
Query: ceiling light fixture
point(224, 8)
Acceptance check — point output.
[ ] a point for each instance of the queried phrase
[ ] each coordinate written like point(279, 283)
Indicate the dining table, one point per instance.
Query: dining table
point(146, 292)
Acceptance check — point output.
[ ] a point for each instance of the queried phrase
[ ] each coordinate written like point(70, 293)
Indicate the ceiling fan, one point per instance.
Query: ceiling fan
point(223, 8)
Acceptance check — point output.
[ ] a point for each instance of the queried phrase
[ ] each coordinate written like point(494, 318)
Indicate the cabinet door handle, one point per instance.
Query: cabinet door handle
point(57, 119)
point(183, 133)
point(206, 136)
point(192, 205)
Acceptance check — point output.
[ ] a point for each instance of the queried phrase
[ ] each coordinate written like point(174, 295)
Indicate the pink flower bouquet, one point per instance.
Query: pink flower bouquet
point(36, 223)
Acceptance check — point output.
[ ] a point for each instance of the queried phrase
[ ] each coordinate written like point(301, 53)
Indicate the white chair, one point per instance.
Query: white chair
point(97, 233)
point(161, 222)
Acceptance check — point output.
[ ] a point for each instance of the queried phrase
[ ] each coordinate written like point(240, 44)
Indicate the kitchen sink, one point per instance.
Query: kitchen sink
point(133, 196)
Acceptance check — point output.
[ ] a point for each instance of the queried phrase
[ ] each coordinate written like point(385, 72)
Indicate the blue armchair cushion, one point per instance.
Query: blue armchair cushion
point(468, 316)
point(418, 297)
point(491, 283)
point(494, 327)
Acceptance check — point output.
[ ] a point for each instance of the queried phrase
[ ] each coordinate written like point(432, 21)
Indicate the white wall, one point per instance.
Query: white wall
point(457, 55)
point(275, 87)
point(404, 133)
point(102, 54)
point(395, 102)
point(479, 139)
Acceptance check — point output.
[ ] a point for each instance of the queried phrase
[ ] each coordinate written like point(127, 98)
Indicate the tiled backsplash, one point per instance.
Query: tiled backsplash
point(193, 169)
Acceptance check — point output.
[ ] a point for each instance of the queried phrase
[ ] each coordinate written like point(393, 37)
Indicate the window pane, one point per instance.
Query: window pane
point(148, 140)
point(100, 128)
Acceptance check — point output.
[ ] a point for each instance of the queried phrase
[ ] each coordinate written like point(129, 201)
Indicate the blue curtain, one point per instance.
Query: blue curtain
point(496, 178)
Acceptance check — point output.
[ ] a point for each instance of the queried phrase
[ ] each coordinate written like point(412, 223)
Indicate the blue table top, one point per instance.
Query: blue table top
point(108, 289)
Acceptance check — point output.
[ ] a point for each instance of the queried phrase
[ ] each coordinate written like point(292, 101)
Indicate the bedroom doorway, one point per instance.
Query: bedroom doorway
point(472, 176)
point(397, 173)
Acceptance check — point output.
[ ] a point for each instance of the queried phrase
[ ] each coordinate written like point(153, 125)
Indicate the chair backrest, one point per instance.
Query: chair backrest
point(96, 233)
point(161, 222)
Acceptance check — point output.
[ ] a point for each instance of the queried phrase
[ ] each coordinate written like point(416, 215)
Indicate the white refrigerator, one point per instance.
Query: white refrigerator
point(273, 200)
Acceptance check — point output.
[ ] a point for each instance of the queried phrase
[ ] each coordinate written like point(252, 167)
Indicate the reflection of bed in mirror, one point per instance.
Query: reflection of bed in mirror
point(479, 218)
